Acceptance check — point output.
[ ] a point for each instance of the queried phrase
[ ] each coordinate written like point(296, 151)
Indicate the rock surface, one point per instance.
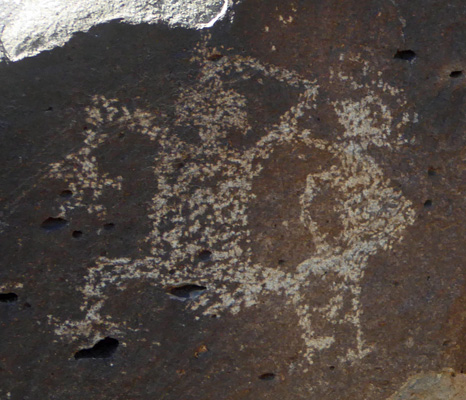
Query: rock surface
point(28, 27)
point(433, 386)
point(269, 208)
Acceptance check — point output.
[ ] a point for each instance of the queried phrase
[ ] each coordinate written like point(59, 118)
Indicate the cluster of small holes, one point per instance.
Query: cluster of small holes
point(410, 55)
point(57, 223)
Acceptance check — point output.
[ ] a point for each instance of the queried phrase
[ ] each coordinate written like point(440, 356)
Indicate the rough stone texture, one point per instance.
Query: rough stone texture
point(433, 386)
point(273, 208)
point(28, 27)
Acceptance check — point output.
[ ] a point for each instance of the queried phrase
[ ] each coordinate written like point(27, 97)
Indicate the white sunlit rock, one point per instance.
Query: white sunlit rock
point(28, 27)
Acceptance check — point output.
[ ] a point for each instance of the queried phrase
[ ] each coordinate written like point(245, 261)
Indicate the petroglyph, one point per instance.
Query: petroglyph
point(205, 186)
point(80, 170)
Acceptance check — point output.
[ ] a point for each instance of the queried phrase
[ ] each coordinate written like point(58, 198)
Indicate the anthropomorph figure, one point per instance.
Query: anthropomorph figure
point(204, 203)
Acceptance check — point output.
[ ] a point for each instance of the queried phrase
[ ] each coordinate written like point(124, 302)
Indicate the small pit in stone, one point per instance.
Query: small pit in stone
point(104, 348)
point(66, 194)
point(204, 255)
point(8, 297)
point(268, 376)
point(109, 226)
point(187, 292)
point(77, 234)
point(456, 74)
point(406, 55)
point(431, 171)
point(215, 57)
point(53, 224)
point(428, 203)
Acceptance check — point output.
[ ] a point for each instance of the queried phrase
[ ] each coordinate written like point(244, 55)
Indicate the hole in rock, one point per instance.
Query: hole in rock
point(188, 291)
point(431, 171)
point(204, 255)
point(77, 234)
point(102, 349)
point(428, 203)
point(268, 376)
point(8, 297)
point(456, 74)
point(53, 224)
point(109, 226)
point(66, 193)
point(407, 55)
point(215, 57)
